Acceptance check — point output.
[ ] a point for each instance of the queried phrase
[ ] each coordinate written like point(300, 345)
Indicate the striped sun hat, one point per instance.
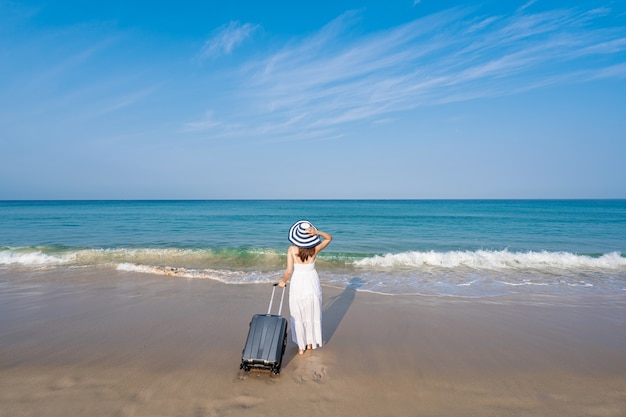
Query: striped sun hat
point(299, 237)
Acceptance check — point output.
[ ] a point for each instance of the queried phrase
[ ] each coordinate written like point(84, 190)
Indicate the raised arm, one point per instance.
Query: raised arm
point(327, 238)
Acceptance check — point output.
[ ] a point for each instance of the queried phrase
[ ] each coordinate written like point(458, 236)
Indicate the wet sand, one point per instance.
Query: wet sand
point(86, 342)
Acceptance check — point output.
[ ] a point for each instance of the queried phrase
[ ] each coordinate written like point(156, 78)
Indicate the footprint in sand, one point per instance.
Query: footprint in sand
point(218, 408)
point(143, 396)
point(245, 401)
point(311, 369)
point(63, 383)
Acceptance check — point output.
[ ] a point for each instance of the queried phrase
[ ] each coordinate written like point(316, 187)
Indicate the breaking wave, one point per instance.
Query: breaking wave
point(247, 259)
point(497, 260)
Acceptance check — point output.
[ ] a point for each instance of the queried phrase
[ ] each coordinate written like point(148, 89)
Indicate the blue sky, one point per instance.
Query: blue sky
point(339, 100)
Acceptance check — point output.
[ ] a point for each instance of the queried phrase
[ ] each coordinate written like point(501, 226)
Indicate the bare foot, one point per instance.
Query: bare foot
point(300, 352)
point(309, 347)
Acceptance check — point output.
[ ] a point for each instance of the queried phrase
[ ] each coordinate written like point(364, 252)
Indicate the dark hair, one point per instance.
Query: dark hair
point(306, 253)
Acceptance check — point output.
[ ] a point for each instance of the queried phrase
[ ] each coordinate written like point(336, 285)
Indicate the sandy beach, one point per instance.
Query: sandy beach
point(95, 342)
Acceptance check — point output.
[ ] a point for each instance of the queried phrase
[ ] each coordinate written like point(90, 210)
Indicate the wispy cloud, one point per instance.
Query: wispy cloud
point(482, 24)
point(127, 99)
point(68, 65)
point(226, 38)
point(206, 123)
point(329, 79)
point(526, 5)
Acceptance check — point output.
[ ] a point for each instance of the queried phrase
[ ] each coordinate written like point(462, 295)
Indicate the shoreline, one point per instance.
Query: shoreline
point(99, 342)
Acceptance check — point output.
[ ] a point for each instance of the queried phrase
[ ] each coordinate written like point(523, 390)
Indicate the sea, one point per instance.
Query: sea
point(441, 248)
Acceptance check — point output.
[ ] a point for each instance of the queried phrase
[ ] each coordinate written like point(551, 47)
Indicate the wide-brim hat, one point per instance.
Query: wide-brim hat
point(299, 237)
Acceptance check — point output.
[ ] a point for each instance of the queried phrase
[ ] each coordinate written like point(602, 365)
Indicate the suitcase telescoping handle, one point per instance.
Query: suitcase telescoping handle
point(282, 297)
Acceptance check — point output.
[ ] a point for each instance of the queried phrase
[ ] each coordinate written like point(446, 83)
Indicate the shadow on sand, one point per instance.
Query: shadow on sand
point(335, 308)
point(333, 312)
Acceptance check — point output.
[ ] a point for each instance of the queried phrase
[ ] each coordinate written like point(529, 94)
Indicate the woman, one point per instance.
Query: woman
point(305, 291)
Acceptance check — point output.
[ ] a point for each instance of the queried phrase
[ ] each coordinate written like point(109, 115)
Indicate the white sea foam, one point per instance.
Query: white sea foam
point(454, 273)
point(51, 256)
point(268, 260)
point(224, 276)
point(31, 258)
point(496, 260)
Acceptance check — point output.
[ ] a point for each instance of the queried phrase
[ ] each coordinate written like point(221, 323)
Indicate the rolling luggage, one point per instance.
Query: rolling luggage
point(267, 339)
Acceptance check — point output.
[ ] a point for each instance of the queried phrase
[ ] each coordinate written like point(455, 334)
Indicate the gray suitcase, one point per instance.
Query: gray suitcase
point(267, 339)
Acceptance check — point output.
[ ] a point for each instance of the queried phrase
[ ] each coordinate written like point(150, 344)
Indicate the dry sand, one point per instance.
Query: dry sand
point(107, 343)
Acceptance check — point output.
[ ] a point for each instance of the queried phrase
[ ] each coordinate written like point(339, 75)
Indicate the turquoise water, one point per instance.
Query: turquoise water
point(471, 248)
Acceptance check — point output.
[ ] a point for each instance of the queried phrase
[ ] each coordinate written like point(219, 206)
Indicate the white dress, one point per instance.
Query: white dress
point(305, 306)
